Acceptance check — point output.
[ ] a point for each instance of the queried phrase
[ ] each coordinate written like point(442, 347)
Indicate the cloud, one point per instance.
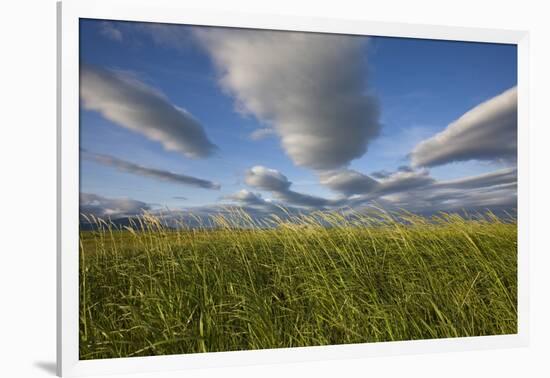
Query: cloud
point(348, 182)
point(381, 174)
point(305, 200)
point(310, 88)
point(286, 198)
point(505, 176)
point(416, 190)
point(494, 191)
point(126, 166)
point(404, 180)
point(413, 190)
point(434, 199)
point(487, 132)
point(119, 209)
point(267, 179)
point(103, 207)
point(181, 198)
point(278, 184)
point(493, 197)
point(246, 197)
point(131, 104)
point(107, 29)
point(405, 168)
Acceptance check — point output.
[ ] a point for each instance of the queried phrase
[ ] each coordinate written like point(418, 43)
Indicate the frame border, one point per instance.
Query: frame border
point(70, 11)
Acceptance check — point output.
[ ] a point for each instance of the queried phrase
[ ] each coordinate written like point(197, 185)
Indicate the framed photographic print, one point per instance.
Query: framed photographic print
point(238, 190)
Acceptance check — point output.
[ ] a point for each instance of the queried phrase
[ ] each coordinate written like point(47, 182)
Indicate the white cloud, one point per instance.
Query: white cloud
point(487, 132)
point(130, 103)
point(311, 91)
point(311, 88)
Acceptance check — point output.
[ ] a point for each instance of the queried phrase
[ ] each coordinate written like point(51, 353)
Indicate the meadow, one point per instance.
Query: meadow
point(321, 279)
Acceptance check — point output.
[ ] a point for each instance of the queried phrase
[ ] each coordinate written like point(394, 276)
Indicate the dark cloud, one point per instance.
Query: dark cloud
point(419, 192)
point(403, 181)
point(495, 191)
point(130, 103)
point(384, 173)
point(381, 174)
point(278, 184)
point(487, 132)
point(246, 197)
point(405, 168)
point(349, 182)
point(301, 199)
point(159, 174)
point(267, 179)
point(413, 190)
point(310, 88)
point(433, 199)
point(507, 176)
point(490, 191)
point(103, 207)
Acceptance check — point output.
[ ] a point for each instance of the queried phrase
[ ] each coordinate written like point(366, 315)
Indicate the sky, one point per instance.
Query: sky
point(195, 119)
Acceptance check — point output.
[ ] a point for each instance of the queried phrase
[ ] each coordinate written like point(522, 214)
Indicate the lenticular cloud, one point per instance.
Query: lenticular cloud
point(311, 88)
point(487, 132)
point(129, 103)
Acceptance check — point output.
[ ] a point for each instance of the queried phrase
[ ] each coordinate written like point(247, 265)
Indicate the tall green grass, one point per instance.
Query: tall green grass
point(307, 280)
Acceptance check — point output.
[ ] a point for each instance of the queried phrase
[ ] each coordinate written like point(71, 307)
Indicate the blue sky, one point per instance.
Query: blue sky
point(411, 89)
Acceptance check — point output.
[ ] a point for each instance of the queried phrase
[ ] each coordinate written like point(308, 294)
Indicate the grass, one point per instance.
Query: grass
point(311, 280)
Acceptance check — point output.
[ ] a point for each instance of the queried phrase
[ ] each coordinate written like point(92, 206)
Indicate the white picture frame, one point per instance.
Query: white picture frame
point(69, 13)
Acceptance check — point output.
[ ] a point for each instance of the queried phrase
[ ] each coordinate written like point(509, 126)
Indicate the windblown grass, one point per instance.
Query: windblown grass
point(316, 280)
